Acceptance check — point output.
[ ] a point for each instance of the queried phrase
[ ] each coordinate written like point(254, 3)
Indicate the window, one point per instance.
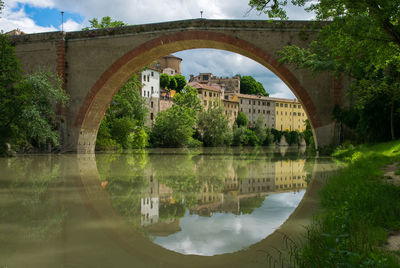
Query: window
point(148, 93)
point(285, 113)
point(215, 94)
point(277, 113)
point(205, 102)
point(152, 90)
point(152, 73)
point(290, 106)
point(286, 105)
point(254, 111)
point(205, 93)
point(254, 102)
point(151, 116)
point(249, 110)
point(249, 101)
point(240, 101)
point(268, 112)
point(210, 94)
point(148, 78)
point(151, 104)
point(241, 109)
point(281, 105)
point(172, 72)
point(268, 103)
point(263, 111)
point(258, 102)
point(258, 111)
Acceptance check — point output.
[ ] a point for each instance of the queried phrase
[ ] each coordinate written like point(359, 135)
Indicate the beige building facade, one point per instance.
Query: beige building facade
point(289, 115)
point(258, 106)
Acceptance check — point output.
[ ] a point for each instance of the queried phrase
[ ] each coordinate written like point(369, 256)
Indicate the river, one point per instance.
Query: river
point(156, 207)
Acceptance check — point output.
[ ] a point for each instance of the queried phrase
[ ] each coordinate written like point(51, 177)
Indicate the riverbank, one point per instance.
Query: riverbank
point(360, 210)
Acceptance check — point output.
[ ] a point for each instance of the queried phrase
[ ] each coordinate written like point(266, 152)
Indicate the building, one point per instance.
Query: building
point(209, 95)
point(150, 80)
point(231, 107)
point(258, 106)
point(289, 115)
point(230, 85)
point(168, 64)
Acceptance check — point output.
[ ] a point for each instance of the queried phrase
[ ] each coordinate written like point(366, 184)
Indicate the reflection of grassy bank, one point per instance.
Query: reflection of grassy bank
point(360, 209)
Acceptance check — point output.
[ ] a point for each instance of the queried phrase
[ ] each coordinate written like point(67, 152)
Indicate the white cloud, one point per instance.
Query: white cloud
point(71, 25)
point(18, 19)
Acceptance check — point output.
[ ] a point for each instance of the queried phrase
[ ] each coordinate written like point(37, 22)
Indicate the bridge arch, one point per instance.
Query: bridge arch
point(100, 95)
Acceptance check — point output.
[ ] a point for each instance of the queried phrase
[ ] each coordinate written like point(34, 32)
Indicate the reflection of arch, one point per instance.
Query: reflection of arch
point(100, 95)
point(143, 253)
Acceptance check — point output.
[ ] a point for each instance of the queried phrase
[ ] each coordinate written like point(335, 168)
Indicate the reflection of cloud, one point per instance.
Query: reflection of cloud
point(225, 232)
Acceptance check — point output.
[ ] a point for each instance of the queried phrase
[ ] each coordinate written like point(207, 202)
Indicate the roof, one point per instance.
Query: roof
point(258, 97)
point(203, 86)
point(172, 56)
point(233, 101)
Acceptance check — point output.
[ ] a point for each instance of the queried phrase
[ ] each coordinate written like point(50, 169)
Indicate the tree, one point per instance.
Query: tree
point(26, 103)
point(361, 41)
point(172, 84)
point(188, 98)
point(214, 127)
point(164, 80)
point(259, 130)
point(123, 123)
point(241, 120)
point(173, 127)
point(248, 85)
point(106, 22)
point(181, 82)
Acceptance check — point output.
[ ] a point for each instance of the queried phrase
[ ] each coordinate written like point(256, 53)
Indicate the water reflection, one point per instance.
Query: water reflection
point(100, 210)
point(203, 201)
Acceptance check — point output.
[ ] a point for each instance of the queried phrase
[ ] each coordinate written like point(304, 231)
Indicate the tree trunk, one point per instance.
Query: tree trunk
point(391, 121)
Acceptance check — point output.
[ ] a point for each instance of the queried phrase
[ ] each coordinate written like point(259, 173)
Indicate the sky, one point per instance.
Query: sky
point(34, 16)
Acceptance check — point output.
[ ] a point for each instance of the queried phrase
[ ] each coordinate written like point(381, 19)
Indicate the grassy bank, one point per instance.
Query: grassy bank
point(360, 210)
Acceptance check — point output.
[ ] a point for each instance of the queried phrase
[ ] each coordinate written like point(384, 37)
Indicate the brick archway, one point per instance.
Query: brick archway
point(100, 95)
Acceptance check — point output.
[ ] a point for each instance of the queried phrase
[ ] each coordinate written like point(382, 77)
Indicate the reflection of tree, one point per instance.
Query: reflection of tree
point(172, 211)
point(248, 205)
point(27, 206)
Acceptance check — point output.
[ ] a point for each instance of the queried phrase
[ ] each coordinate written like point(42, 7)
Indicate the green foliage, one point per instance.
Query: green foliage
point(362, 41)
point(173, 127)
point(122, 126)
point(180, 81)
point(164, 80)
point(173, 84)
point(359, 211)
point(259, 130)
point(241, 120)
point(248, 85)
point(188, 99)
point(214, 127)
point(244, 136)
point(307, 133)
point(26, 104)
point(269, 137)
point(106, 22)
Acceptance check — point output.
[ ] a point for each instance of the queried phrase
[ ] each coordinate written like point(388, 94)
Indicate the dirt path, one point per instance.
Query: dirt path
point(393, 243)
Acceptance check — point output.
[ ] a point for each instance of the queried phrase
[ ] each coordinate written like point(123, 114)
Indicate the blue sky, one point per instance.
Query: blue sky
point(33, 16)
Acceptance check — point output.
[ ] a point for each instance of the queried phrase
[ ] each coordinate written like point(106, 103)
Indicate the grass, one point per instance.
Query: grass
point(359, 211)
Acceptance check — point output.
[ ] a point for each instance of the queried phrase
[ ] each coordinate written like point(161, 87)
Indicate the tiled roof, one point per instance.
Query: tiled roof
point(254, 97)
point(203, 86)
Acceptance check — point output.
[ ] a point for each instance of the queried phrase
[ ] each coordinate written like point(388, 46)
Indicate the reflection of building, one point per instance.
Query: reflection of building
point(149, 210)
point(290, 175)
point(233, 193)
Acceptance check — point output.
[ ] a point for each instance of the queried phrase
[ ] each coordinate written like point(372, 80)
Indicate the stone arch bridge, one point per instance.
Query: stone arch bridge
point(95, 64)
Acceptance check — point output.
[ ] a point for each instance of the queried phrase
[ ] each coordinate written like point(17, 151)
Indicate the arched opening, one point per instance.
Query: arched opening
point(96, 101)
